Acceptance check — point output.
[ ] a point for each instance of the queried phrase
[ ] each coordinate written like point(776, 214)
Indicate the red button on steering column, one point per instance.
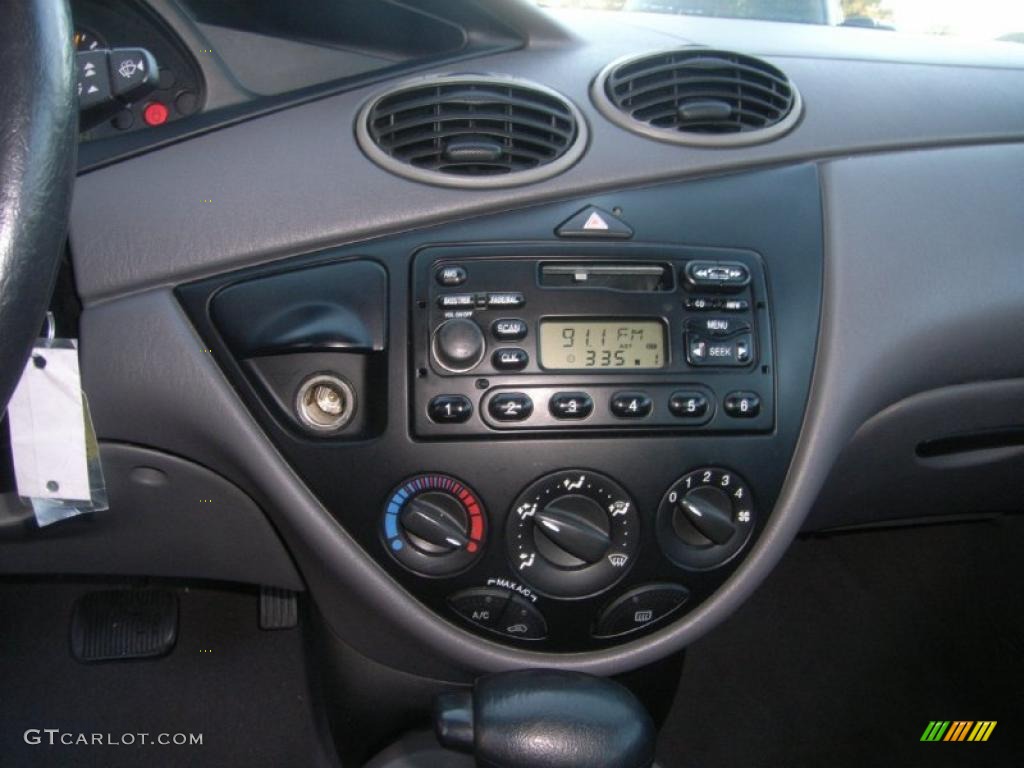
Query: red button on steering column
point(155, 113)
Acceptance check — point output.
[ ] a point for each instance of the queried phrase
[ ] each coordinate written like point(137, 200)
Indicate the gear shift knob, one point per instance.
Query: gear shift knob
point(546, 719)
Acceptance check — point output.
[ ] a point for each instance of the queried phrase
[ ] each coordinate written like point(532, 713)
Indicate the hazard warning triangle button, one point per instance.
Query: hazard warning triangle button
point(593, 222)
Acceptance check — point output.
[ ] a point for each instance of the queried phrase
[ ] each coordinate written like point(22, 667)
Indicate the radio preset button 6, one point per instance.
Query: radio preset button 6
point(510, 359)
point(509, 329)
point(451, 276)
point(510, 406)
point(631, 405)
point(689, 404)
point(742, 405)
point(450, 409)
point(571, 405)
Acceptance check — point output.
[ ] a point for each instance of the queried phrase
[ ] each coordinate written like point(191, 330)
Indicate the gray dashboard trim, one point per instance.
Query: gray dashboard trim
point(294, 181)
point(898, 317)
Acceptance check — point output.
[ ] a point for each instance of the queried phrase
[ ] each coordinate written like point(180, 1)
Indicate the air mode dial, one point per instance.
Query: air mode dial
point(434, 525)
point(573, 533)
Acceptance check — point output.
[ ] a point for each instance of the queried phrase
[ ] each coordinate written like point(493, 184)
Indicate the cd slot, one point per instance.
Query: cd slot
point(640, 278)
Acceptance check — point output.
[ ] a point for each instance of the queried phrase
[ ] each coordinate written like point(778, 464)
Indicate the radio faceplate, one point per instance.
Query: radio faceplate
point(590, 337)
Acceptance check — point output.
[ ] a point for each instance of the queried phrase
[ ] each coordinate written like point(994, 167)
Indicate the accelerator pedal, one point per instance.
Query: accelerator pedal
point(124, 624)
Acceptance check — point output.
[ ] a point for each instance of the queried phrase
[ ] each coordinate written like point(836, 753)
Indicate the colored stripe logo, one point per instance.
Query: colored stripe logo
point(958, 730)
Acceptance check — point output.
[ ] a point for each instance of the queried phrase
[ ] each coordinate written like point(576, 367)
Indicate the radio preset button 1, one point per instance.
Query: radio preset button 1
point(509, 329)
point(451, 276)
point(450, 409)
point(742, 405)
point(631, 405)
point(510, 406)
point(571, 405)
point(505, 300)
point(689, 404)
point(510, 359)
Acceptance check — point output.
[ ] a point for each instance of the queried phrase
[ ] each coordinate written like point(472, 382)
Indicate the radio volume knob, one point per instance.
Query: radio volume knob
point(458, 345)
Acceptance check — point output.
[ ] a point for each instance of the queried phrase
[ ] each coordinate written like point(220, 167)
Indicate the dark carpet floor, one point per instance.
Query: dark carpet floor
point(853, 645)
point(243, 689)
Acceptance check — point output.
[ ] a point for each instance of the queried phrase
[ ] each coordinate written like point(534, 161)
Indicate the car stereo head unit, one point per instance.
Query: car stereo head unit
point(513, 338)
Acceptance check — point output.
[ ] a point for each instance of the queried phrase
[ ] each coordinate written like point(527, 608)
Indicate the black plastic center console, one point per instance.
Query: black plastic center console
point(556, 431)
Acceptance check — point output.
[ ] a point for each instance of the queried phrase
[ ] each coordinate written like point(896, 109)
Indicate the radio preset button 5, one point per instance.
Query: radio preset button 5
point(571, 405)
point(510, 359)
point(631, 405)
point(510, 406)
point(509, 329)
point(689, 404)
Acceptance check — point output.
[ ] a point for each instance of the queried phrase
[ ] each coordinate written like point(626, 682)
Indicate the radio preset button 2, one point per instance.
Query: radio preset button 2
point(509, 329)
point(510, 406)
point(510, 359)
point(631, 405)
point(451, 276)
point(571, 405)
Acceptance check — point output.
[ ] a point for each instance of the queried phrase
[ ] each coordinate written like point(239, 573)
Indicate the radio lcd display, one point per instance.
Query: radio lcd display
point(602, 344)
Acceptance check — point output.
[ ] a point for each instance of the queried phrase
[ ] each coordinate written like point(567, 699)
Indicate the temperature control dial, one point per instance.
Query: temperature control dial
point(573, 533)
point(705, 518)
point(434, 525)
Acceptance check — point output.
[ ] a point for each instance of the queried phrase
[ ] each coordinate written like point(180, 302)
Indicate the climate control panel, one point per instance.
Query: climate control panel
point(570, 539)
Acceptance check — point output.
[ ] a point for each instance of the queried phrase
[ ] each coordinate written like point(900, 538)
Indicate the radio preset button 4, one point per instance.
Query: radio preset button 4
point(631, 405)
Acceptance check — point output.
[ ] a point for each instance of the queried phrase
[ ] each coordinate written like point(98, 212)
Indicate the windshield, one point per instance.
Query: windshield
point(978, 19)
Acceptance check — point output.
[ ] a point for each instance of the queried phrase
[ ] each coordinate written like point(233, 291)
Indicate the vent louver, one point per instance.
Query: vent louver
point(472, 131)
point(698, 96)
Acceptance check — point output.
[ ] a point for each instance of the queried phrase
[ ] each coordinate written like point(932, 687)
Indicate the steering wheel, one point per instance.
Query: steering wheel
point(38, 134)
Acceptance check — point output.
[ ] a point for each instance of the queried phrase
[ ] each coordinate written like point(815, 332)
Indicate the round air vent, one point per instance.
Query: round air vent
point(698, 96)
point(472, 131)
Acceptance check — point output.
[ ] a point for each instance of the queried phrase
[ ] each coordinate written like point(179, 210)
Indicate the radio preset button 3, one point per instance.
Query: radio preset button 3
point(571, 405)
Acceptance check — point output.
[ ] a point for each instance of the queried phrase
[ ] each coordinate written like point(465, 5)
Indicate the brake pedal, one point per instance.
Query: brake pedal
point(124, 624)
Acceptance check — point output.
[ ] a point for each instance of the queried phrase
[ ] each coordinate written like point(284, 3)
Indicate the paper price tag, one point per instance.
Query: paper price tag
point(47, 425)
